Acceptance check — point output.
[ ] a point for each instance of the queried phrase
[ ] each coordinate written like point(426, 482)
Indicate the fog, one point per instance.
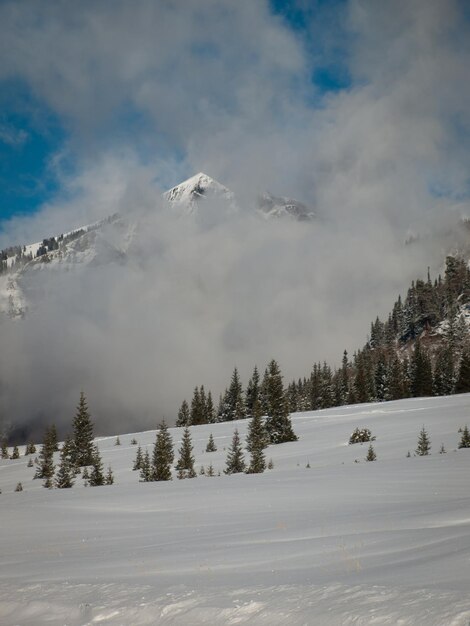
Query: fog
point(225, 88)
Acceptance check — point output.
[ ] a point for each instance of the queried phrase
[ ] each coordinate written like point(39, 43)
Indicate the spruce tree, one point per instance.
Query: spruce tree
point(371, 456)
point(163, 454)
point(19, 487)
point(197, 416)
point(252, 392)
point(30, 462)
point(109, 479)
point(138, 459)
point(235, 404)
point(424, 444)
point(421, 372)
point(210, 471)
point(51, 438)
point(256, 441)
point(465, 438)
point(278, 423)
point(117, 442)
point(5, 454)
point(45, 463)
point(65, 476)
point(30, 449)
point(185, 464)
point(235, 460)
point(463, 380)
point(211, 447)
point(184, 418)
point(146, 468)
point(96, 477)
point(211, 417)
point(16, 453)
point(82, 435)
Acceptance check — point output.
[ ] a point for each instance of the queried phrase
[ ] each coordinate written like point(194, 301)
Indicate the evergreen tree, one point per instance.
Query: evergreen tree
point(82, 435)
point(256, 441)
point(396, 382)
point(117, 442)
point(185, 463)
point(16, 453)
point(163, 454)
point(211, 447)
point(184, 418)
point(30, 463)
point(211, 417)
point(30, 449)
point(146, 468)
point(424, 444)
point(465, 438)
point(5, 454)
point(463, 380)
point(234, 399)
point(109, 480)
point(278, 424)
point(51, 438)
point(371, 456)
point(197, 416)
point(65, 477)
point(96, 476)
point(138, 460)
point(252, 392)
point(444, 377)
point(45, 463)
point(19, 487)
point(210, 471)
point(421, 372)
point(235, 460)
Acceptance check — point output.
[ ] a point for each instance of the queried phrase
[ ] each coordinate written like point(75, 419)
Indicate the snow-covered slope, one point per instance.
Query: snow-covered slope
point(341, 542)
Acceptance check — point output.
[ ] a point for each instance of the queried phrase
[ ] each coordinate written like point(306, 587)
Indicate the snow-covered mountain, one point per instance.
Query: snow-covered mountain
point(109, 240)
point(277, 206)
point(197, 190)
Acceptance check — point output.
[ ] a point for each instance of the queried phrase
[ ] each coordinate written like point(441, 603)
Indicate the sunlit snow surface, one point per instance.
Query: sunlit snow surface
point(339, 543)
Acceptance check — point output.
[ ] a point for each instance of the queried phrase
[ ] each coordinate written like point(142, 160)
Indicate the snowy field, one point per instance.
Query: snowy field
point(340, 543)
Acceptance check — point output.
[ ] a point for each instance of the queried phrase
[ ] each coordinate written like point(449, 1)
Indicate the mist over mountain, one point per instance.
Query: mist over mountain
point(350, 124)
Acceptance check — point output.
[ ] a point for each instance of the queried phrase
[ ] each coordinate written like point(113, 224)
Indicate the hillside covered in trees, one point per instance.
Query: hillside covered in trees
point(421, 349)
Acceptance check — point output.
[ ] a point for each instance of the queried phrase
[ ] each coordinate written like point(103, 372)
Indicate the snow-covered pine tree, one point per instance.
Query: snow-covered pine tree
point(163, 454)
point(278, 423)
point(185, 465)
point(4, 449)
point(211, 417)
point(234, 399)
point(82, 435)
point(235, 460)
point(462, 384)
point(30, 449)
point(256, 441)
point(96, 477)
point(184, 418)
point(424, 444)
point(45, 463)
point(65, 476)
point(138, 460)
point(51, 438)
point(15, 454)
point(146, 468)
point(109, 479)
point(252, 392)
point(465, 438)
point(371, 456)
point(211, 447)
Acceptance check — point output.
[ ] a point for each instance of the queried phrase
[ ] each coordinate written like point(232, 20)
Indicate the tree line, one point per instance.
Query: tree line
point(422, 349)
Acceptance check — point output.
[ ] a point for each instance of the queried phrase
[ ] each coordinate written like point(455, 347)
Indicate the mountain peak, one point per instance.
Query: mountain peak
point(197, 187)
